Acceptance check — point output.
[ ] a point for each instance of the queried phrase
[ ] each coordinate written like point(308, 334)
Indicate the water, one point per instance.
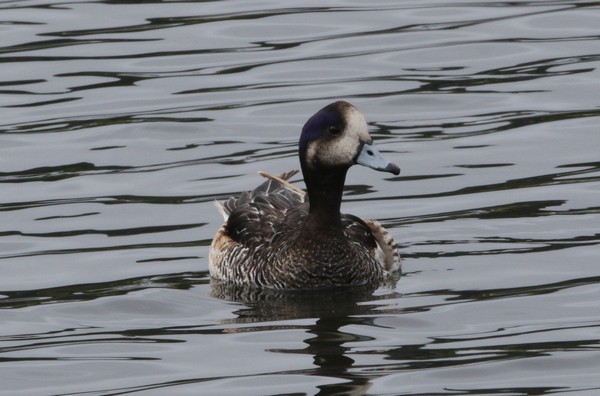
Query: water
point(122, 122)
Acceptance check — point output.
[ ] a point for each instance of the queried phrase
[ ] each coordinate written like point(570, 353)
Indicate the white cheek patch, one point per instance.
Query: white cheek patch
point(343, 150)
point(332, 153)
point(311, 154)
point(356, 126)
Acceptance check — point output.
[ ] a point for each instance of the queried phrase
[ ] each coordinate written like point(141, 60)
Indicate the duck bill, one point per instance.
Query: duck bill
point(370, 157)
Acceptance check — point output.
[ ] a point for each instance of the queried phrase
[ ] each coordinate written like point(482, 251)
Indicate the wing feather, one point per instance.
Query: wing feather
point(256, 216)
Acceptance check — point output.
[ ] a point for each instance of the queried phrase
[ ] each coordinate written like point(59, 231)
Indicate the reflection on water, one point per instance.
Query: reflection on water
point(123, 122)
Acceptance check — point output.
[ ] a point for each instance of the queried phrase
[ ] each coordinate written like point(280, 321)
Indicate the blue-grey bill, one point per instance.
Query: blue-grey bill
point(370, 157)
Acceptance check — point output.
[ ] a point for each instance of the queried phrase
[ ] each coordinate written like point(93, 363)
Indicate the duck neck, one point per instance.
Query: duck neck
point(324, 189)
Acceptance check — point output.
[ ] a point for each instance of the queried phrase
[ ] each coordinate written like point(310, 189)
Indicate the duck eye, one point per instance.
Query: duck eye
point(334, 130)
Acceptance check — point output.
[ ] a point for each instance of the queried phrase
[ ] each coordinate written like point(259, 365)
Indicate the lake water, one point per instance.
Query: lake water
point(121, 123)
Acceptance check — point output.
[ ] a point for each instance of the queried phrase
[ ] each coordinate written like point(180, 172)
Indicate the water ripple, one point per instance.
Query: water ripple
point(122, 122)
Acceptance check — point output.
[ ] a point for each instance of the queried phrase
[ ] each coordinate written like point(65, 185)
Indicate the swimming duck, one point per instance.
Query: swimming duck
point(279, 236)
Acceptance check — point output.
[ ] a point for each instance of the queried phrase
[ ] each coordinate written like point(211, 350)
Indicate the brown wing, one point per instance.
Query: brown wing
point(256, 216)
point(357, 230)
point(375, 236)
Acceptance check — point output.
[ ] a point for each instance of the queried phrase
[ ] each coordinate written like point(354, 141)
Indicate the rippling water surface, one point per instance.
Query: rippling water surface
point(122, 122)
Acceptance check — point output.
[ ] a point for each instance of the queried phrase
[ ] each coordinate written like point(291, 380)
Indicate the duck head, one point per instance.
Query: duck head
point(337, 137)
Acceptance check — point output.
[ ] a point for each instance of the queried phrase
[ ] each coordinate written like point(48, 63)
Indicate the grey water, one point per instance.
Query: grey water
point(121, 122)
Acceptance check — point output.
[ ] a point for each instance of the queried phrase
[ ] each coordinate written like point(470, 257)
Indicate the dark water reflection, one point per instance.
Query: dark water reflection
point(122, 122)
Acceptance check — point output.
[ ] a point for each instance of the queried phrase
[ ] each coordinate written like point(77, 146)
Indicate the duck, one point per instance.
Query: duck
point(280, 236)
